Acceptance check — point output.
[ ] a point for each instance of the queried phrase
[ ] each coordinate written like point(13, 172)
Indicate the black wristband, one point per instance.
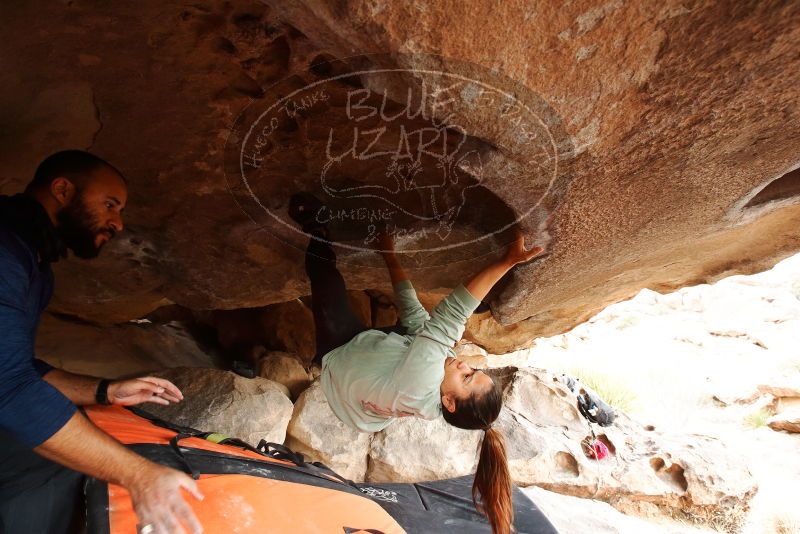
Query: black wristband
point(101, 395)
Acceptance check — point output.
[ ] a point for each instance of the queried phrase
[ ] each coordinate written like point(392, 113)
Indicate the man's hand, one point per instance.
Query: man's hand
point(158, 502)
point(516, 252)
point(145, 389)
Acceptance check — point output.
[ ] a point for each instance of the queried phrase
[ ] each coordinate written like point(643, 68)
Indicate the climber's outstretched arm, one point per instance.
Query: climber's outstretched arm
point(411, 313)
point(386, 249)
point(480, 284)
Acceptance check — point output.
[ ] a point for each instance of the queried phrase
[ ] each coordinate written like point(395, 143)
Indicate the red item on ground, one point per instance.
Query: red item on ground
point(596, 450)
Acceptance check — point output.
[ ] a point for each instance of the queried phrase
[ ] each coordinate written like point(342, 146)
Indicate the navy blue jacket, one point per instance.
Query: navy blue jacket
point(31, 410)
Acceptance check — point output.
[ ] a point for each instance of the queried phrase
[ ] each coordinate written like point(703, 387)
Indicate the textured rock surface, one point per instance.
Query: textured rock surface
point(438, 451)
point(251, 409)
point(544, 430)
point(288, 326)
point(572, 515)
point(120, 350)
point(673, 119)
point(316, 432)
point(285, 369)
point(787, 421)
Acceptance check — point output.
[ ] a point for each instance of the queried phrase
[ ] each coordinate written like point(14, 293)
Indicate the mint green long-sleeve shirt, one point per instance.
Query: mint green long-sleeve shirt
point(379, 376)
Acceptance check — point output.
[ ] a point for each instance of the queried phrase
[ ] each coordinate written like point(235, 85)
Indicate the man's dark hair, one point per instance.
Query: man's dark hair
point(72, 164)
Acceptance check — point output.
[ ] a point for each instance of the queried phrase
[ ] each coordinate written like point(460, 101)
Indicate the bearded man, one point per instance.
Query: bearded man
point(74, 202)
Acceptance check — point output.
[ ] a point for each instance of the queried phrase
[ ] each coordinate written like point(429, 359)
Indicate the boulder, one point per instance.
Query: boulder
point(286, 369)
point(573, 515)
point(288, 326)
point(786, 421)
point(120, 350)
point(250, 409)
point(361, 305)
point(316, 432)
point(544, 430)
point(413, 450)
point(383, 309)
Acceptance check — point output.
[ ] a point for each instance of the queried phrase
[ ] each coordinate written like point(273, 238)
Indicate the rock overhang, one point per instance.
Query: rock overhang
point(673, 120)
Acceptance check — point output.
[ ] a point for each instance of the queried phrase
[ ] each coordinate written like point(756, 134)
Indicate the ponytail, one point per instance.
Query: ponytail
point(491, 489)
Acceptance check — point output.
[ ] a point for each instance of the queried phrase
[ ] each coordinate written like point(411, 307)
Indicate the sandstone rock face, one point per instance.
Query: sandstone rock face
point(675, 132)
point(120, 350)
point(316, 432)
point(285, 369)
point(572, 515)
point(223, 402)
point(439, 451)
point(786, 421)
point(288, 326)
point(544, 430)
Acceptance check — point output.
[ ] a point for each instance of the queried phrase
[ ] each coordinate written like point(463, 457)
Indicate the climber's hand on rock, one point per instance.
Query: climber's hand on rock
point(144, 389)
point(385, 242)
point(516, 252)
point(156, 494)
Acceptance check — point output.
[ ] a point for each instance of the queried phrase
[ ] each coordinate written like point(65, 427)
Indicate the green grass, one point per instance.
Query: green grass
point(612, 390)
point(757, 419)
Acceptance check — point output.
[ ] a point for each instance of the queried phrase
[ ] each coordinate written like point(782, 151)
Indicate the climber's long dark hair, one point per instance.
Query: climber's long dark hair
point(491, 490)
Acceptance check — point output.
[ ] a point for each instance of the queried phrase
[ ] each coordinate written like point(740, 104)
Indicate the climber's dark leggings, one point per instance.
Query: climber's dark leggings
point(335, 322)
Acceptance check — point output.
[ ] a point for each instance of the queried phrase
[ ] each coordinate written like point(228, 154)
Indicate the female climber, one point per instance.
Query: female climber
point(371, 376)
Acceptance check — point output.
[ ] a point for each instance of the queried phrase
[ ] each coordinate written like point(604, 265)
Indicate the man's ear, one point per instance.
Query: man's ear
point(449, 402)
point(62, 190)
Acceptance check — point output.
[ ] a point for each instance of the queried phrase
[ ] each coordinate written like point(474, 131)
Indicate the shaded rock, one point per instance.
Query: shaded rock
point(288, 327)
point(651, 98)
point(484, 330)
point(361, 304)
point(223, 402)
point(285, 369)
point(786, 421)
point(316, 432)
point(438, 449)
point(121, 350)
point(384, 312)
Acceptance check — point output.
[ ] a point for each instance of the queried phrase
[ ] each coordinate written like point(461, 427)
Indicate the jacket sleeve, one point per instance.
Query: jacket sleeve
point(412, 314)
point(30, 409)
point(421, 371)
point(450, 317)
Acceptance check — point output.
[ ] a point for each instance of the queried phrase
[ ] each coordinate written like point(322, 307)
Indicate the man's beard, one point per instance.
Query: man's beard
point(78, 229)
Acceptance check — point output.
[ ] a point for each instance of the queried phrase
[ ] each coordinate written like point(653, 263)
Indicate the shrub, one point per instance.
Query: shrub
point(757, 419)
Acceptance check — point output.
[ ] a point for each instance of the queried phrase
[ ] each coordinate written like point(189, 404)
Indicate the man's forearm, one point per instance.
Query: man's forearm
point(80, 389)
point(480, 284)
point(83, 447)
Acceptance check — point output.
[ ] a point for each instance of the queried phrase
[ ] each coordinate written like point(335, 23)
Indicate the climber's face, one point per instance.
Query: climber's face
point(460, 382)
